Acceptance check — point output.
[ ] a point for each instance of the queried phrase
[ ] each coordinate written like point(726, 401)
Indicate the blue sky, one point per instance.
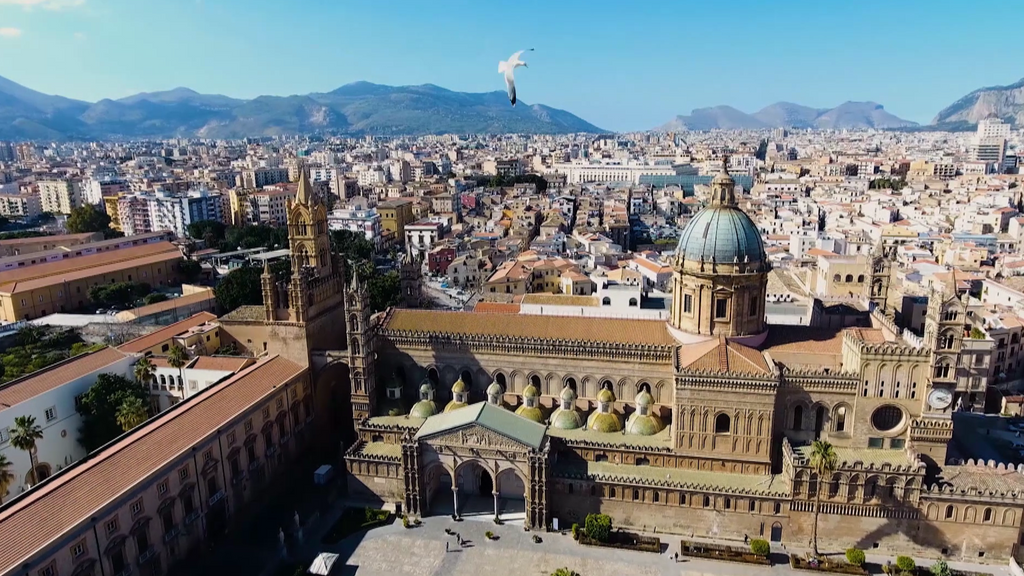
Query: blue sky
point(619, 65)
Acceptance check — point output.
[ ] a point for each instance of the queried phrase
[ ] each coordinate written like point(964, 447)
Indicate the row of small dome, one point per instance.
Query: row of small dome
point(565, 417)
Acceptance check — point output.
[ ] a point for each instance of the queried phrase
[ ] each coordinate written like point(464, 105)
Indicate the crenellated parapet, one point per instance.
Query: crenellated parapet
point(767, 488)
point(538, 347)
point(727, 381)
point(980, 480)
point(823, 380)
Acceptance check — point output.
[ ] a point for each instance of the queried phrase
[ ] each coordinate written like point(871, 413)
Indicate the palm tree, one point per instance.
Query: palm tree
point(24, 436)
point(177, 358)
point(131, 413)
point(6, 476)
point(144, 371)
point(824, 462)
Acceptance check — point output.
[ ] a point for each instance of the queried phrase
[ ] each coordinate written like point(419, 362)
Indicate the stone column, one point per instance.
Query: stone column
point(496, 512)
point(455, 499)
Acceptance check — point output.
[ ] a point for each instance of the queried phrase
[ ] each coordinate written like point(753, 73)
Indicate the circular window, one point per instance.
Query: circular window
point(886, 418)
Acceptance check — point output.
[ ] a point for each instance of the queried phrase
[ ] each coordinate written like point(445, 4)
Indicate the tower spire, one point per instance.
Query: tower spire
point(305, 191)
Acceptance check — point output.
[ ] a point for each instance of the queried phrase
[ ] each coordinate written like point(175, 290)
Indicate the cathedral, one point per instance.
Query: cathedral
point(701, 425)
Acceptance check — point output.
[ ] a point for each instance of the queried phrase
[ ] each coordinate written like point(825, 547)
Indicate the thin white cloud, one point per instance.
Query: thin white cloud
point(10, 32)
point(44, 4)
point(79, 35)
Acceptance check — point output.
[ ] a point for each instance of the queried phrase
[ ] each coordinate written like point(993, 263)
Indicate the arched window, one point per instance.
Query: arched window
point(593, 490)
point(839, 424)
point(778, 508)
point(819, 420)
point(535, 381)
point(571, 383)
point(950, 512)
point(500, 379)
point(611, 492)
point(860, 278)
point(657, 497)
point(752, 506)
point(570, 488)
point(606, 301)
point(987, 515)
point(354, 345)
point(833, 487)
point(849, 278)
point(728, 503)
point(433, 377)
point(837, 278)
point(163, 380)
point(798, 417)
point(632, 301)
point(722, 424)
point(682, 499)
point(707, 501)
point(636, 494)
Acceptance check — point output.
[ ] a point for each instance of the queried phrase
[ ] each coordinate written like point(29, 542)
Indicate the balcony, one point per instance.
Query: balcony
point(193, 516)
point(271, 450)
point(217, 497)
point(147, 555)
point(172, 534)
point(237, 479)
point(285, 439)
point(254, 465)
point(126, 572)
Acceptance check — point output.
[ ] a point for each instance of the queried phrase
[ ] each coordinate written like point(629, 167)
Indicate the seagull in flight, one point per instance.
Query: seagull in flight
point(506, 68)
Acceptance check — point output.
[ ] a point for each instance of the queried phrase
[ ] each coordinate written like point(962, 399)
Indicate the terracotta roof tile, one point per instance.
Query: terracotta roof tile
point(87, 265)
point(146, 342)
point(800, 346)
point(56, 507)
point(721, 355)
point(222, 363)
point(496, 308)
point(610, 330)
point(47, 379)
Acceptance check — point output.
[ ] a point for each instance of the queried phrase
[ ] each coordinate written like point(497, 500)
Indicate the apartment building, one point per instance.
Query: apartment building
point(59, 196)
point(395, 215)
point(22, 246)
point(260, 177)
point(22, 205)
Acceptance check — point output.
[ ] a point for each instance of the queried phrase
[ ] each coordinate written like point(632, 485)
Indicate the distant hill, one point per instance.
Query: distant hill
point(357, 108)
point(1005, 102)
point(849, 115)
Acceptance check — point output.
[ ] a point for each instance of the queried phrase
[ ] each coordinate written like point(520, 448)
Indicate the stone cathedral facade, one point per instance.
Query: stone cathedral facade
point(701, 425)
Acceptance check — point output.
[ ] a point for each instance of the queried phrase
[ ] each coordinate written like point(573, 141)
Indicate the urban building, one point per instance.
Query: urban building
point(59, 196)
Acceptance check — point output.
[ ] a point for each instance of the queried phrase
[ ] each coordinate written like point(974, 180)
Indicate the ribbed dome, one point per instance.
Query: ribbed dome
point(605, 395)
point(724, 234)
point(644, 425)
point(566, 419)
point(453, 405)
point(535, 414)
point(423, 409)
point(568, 395)
point(459, 386)
point(531, 392)
point(604, 422)
point(494, 389)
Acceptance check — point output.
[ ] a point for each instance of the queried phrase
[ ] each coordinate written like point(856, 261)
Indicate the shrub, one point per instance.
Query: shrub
point(905, 563)
point(855, 556)
point(489, 535)
point(565, 572)
point(598, 526)
point(405, 521)
point(760, 547)
point(940, 568)
point(575, 531)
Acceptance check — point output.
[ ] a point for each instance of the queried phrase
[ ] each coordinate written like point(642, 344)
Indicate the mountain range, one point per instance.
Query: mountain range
point(848, 115)
point(1004, 102)
point(357, 108)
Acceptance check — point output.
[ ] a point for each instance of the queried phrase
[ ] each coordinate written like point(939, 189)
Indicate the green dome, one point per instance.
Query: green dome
point(568, 395)
point(604, 422)
point(566, 419)
point(644, 425)
point(530, 392)
point(426, 387)
point(534, 414)
point(605, 396)
point(459, 386)
point(644, 398)
point(494, 389)
point(453, 405)
point(423, 409)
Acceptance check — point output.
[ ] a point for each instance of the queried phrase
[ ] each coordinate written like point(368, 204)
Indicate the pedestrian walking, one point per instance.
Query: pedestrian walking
point(446, 547)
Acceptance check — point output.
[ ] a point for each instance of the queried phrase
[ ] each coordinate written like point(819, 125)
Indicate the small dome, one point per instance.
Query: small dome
point(494, 389)
point(423, 409)
point(535, 414)
point(566, 419)
point(644, 425)
point(605, 395)
point(530, 392)
point(604, 422)
point(459, 387)
point(568, 395)
point(453, 405)
point(426, 387)
point(644, 398)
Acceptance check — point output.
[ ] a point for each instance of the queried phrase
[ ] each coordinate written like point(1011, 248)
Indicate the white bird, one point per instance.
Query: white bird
point(506, 68)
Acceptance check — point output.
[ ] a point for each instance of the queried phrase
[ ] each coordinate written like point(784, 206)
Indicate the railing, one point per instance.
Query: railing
point(193, 516)
point(147, 555)
point(285, 439)
point(172, 534)
point(254, 465)
point(236, 479)
point(216, 497)
point(271, 450)
point(126, 572)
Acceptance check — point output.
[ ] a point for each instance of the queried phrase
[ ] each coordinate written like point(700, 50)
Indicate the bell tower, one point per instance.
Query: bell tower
point(881, 273)
point(308, 237)
point(360, 350)
point(411, 281)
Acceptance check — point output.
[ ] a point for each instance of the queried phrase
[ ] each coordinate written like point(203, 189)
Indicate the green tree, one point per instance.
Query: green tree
point(242, 286)
point(350, 244)
point(24, 436)
point(760, 547)
point(99, 408)
point(855, 556)
point(385, 290)
point(131, 413)
point(154, 298)
point(190, 270)
point(977, 334)
point(906, 564)
point(940, 568)
point(120, 294)
point(7, 477)
point(598, 526)
point(177, 357)
point(143, 371)
point(824, 462)
point(245, 237)
point(88, 219)
point(30, 334)
point(211, 232)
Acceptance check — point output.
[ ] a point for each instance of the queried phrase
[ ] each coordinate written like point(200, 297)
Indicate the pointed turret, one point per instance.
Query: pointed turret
point(305, 192)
